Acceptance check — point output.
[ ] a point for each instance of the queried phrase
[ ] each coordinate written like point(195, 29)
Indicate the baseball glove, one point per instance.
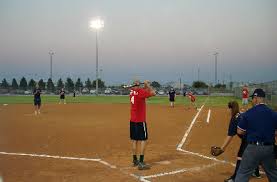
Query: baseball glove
point(216, 151)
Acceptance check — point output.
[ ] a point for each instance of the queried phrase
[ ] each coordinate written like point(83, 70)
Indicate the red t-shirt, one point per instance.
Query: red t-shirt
point(192, 97)
point(245, 93)
point(138, 105)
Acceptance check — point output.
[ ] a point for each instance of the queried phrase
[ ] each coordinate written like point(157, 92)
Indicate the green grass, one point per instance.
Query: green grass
point(163, 100)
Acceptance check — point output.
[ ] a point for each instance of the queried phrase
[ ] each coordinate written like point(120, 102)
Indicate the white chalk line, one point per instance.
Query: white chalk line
point(208, 117)
point(59, 157)
point(206, 157)
point(194, 169)
point(189, 129)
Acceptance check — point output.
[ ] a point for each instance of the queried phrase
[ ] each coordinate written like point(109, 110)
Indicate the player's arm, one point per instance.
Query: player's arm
point(242, 125)
point(227, 141)
point(149, 88)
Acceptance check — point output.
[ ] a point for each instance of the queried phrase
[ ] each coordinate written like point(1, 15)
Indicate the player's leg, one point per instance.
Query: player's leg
point(143, 135)
point(242, 147)
point(251, 158)
point(194, 104)
point(134, 152)
point(38, 106)
point(35, 106)
point(134, 140)
point(36, 110)
point(269, 163)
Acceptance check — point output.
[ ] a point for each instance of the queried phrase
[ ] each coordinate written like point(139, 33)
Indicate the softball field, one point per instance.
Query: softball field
point(85, 142)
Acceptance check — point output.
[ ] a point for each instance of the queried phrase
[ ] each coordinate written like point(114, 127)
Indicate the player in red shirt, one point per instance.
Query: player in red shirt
point(138, 127)
point(192, 99)
point(245, 95)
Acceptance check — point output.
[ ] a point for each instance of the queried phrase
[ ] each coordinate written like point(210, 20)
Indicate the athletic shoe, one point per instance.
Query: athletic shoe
point(135, 163)
point(229, 180)
point(143, 166)
point(257, 175)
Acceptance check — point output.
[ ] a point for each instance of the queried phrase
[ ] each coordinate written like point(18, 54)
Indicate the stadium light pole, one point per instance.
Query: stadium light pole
point(97, 24)
point(215, 70)
point(51, 53)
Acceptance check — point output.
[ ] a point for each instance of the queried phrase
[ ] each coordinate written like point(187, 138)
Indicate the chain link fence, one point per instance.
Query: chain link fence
point(270, 89)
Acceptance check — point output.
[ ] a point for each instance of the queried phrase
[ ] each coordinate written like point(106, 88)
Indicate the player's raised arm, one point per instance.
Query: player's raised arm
point(148, 87)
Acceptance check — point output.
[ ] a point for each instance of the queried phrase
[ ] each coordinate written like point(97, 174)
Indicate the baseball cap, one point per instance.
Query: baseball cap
point(258, 93)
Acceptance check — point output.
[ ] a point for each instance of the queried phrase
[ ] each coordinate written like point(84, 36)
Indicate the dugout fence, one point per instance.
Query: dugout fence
point(269, 87)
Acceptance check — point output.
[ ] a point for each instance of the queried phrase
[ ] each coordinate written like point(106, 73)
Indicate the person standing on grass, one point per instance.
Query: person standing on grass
point(138, 127)
point(37, 99)
point(171, 95)
point(245, 95)
point(192, 99)
point(260, 125)
point(62, 96)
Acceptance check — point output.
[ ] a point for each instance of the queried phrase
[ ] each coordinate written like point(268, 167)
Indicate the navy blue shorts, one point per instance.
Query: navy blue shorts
point(62, 96)
point(37, 102)
point(138, 131)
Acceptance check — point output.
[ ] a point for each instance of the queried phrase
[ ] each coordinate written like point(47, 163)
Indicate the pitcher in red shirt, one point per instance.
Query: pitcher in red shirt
point(245, 95)
point(138, 127)
point(192, 99)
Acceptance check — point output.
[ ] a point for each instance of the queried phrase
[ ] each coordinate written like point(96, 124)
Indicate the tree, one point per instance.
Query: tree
point(50, 85)
point(220, 85)
point(101, 84)
point(155, 84)
point(5, 84)
point(32, 84)
point(41, 84)
point(199, 84)
point(23, 83)
point(60, 84)
point(69, 85)
point(14, 84)
point(78, 84)
point(88, 84)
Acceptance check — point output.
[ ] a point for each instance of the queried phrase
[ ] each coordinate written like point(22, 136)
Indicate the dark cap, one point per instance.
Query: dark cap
point(258, 93)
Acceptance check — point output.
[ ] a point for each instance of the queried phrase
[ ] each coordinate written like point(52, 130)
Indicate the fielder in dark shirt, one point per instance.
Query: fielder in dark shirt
point(37, 99)
point(171, 95)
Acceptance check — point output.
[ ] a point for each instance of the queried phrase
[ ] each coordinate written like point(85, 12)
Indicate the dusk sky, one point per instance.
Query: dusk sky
point(158, 40)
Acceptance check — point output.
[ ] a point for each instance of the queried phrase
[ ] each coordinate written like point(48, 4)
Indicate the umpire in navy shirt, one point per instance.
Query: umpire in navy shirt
point(260, 124)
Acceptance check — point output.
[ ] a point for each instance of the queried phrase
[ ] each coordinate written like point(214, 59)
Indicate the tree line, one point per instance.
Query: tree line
point(70, 85)
point(49, 85)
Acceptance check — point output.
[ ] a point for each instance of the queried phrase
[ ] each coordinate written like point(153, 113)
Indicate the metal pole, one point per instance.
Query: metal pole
point(96, 62)
point(198, 76)
point(51, 64)
point(215, 54)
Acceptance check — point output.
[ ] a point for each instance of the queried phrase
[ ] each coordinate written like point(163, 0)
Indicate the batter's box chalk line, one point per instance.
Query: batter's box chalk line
point(193, 169)
point(60, 157)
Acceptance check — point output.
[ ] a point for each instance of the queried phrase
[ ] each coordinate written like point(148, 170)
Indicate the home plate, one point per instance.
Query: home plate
point(5, 104)
point(163, 162)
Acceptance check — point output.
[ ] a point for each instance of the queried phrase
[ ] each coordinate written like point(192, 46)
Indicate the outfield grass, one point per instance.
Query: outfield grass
point(210, 101)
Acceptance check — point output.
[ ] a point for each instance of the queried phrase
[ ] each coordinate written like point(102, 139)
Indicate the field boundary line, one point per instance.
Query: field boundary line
point(206, 157)
point(60, 157)
point(180, 145)
point(193, 169)
point(208, 116)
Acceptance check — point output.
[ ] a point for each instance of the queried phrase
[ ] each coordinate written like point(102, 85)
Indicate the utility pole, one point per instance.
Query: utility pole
point(198, 74)
point(51, 53)
point(215, 70)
